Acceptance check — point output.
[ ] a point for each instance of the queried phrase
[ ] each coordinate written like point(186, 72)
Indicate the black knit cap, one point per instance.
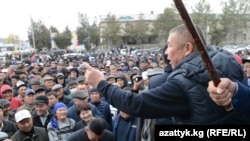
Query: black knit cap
point(93, 90)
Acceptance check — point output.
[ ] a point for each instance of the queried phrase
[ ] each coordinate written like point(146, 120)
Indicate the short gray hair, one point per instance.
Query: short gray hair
point(183, 31)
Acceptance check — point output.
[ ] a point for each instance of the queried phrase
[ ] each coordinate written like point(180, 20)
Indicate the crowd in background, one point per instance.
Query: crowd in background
point(50, 96)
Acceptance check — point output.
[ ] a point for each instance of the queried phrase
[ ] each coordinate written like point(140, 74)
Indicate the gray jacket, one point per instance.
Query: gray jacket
point(62, 132)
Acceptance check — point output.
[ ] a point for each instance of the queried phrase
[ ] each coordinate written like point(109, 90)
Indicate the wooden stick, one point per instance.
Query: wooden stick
point(200, 45)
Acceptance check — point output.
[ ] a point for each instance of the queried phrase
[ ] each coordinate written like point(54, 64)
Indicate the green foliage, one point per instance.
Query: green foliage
point(53, 29)
point(12, 39)
point(111, 31)
point(226, 26)
point(41, 35)
point(165, 22)
point(201, 13)
point(216, 36)
point(94, 34)
point(136, 32)
point(87, 34)
point(129, 33)
point(140, 29)
point(82, 31)
point(233, 24)
point(202, 16)
point(63, 40)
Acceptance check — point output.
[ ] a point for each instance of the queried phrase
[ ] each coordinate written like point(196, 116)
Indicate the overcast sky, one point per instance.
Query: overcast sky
point(15, 14)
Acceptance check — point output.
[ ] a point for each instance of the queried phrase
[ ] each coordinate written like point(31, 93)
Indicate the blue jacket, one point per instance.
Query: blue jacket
point(194, 78)
point(183, 95)
point(129, 129)
point(241, 100)
point(156, 81)
point(104, 109)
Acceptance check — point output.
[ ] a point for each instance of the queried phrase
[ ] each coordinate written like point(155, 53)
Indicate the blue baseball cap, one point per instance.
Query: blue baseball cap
point(29, 91)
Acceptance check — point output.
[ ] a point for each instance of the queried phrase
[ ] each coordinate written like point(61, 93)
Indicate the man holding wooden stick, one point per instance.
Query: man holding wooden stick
point(184, 95)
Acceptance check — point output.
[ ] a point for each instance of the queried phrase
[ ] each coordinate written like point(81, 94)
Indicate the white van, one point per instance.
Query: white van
point(2, 60)
point(123, 51)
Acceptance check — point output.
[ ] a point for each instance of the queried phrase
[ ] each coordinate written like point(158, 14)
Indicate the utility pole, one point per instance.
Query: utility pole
point(33, 37)
point(51, 34)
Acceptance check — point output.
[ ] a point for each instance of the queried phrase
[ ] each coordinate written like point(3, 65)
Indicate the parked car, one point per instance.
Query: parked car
point(73, 55)
point(55, 53)
point(143, 52)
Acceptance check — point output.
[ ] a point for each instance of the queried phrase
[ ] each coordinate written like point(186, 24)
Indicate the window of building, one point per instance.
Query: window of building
point(244, 37)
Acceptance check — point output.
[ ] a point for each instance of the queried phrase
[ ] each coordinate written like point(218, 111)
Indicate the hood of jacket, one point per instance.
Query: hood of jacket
point(4, 88)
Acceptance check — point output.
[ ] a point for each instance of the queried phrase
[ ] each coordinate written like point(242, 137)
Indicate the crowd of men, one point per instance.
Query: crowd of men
point(114, 97)
point(37, 85)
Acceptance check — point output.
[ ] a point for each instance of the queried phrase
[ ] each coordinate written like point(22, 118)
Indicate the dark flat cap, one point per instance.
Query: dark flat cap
point(35, 82)
point(80, 79)
point(41, 99)
point(4, 103)
point(56, 86)
point(79, 94)
point(39, 90)
point(155, 71)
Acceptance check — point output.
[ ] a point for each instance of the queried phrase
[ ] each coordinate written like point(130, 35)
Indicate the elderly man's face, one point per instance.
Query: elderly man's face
point(25, 125)
point(49, 84)
point(41, 109)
